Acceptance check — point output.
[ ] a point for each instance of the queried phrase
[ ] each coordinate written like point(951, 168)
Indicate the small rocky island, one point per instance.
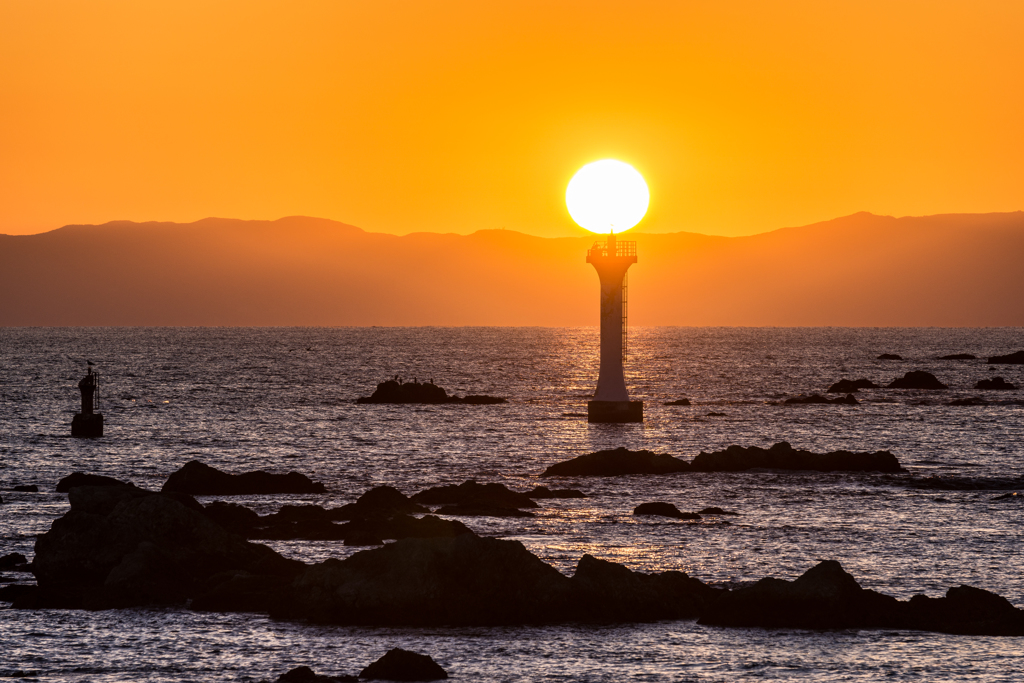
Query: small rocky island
point(397, 391)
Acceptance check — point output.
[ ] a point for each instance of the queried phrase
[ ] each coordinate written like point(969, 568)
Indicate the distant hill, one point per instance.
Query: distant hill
point(860, 270)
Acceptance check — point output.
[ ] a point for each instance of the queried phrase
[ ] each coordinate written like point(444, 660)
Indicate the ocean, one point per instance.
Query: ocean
point(282, 399)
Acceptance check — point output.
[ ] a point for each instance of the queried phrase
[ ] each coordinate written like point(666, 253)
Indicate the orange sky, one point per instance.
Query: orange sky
point(457, 116)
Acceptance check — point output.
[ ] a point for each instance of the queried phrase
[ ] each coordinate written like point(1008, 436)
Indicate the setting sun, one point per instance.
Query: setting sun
point(606, 196)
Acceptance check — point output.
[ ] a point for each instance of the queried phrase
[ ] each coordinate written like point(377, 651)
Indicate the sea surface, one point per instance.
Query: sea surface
point(281, 399)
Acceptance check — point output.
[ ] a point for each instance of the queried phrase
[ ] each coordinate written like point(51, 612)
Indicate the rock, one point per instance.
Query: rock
point(967, 611)
point(714, 414)
point(782, 456)
point(364, 531)
point(82, 479)
point(890, 356)
point(235, 518)
point(304, 674)
point(393, 391)
point(481, 510)
point(465, 580)
point(472, 493)
point(916, 379)
point(849, 399)
point(716, 511)
point(12, 560)
point(610, 592)
point(613, 463)
point(1, 500)
point(996, 383)
point(848, 386)
point(380, 500)
point(543, 492)
point(959, 356)
point(969, 401)
point(403, 665)
point(26, 488)
point(663, 510)
point(363, 538)
point(824, 597)
point(1009, 359)
point(147, 549)
point(198, 479)
point(680, 402)
point(1014, 496)
point(20, 594)
point(240, 591)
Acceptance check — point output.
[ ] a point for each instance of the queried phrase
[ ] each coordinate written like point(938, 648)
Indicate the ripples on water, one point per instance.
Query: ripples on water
point(280, 399)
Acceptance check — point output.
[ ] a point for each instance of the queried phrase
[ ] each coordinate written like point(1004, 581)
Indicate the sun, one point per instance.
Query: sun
point(607, 195)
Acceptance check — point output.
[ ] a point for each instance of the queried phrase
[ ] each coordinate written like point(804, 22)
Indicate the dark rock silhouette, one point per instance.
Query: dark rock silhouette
point(197, 479)
point(916, 379)
point(12, 561)
point(393, 391)
point(995, 384)
point(715, 511)
point(304, 674)
point(83, 479)
point(19, 593)
point(663, 510)
point(472, 493)
point(25, 488)
point(133, 547)
point(1009, 359)
point(680, 402)
point(848, 400)
point(783, 456)
point(380, 500)
point(969, 401)
point(481, 510)
point(543, 492)
point(613, 463)
point(848, 386)
point(235, 518)
point(314, 523)
point(890, 356)
point(1009, 496)
point(959, 356)
point(827, 597)
point(403, 665)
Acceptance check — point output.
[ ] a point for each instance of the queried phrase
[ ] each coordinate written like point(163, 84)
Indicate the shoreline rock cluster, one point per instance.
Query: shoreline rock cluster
point(397, 391)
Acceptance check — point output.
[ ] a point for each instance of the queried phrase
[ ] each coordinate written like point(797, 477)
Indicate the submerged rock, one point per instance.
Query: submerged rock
point(402, 665)
point(481, 510)
point(995, 384)
point(848, 386)
point(543, 492)
point(613, 463)
point(472, 493)
point(198, 479)
point(969, 401)
point(916, 379)
point(890, 356)
point(680, 402)
point(783, 456)
point(959, 356)
point(83, 479)
point(663, 510)
point(25, 488)
point(303, 674)
point(1009, 359)
point(848, 400)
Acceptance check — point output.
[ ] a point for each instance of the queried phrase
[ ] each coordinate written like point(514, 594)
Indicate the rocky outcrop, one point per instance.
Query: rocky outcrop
point(995, 384)
point(472, 493)
point(543, 492)
point(14, 562)
point(402, 665)
point(916, 379)
point(890, 356)
point(470, 580)
point(394, 391)
point(480, 510)
point(25, 488)
point(849, 386)
point(198, 479)
point(303, 674)
point(1009, 359)
point(715, 511)
point(618, 462)
point(827, 597)
point(783, 456)
point(848, 400)
point(959, 356)
point(132, 547)
point(380, 500)
point(680, 402)
point(660, 509)
point(83, 479)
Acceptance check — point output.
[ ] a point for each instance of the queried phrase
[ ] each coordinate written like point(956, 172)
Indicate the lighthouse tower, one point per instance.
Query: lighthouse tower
point(611, 400)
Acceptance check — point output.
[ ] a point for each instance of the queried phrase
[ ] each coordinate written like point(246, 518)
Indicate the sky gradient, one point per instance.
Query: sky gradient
point(459, 116)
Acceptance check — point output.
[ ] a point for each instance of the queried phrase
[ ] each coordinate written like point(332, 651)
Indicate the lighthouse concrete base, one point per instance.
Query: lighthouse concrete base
point(615, 411)
point(87, 426)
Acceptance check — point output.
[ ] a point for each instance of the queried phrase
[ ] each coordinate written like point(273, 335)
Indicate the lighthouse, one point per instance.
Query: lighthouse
point(611, 401)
